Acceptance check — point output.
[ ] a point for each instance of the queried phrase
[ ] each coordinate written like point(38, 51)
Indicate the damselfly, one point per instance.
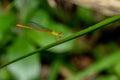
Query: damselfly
point(42, 29)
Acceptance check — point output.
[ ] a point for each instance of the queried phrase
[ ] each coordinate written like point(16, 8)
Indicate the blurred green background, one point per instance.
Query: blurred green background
point(61, 61)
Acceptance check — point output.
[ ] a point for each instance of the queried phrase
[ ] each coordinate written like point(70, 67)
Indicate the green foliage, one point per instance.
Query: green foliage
point(24, 66)
point(24, 51)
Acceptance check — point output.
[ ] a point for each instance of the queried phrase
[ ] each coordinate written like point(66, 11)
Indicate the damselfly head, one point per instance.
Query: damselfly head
point(60, 34)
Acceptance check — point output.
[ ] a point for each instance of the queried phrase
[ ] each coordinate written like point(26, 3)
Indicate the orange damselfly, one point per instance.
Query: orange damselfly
point(42, 29)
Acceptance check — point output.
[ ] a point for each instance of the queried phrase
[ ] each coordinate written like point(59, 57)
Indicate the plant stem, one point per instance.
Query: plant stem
point(73, 36)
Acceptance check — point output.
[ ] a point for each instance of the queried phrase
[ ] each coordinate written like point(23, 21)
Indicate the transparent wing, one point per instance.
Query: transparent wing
point(36, 25)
